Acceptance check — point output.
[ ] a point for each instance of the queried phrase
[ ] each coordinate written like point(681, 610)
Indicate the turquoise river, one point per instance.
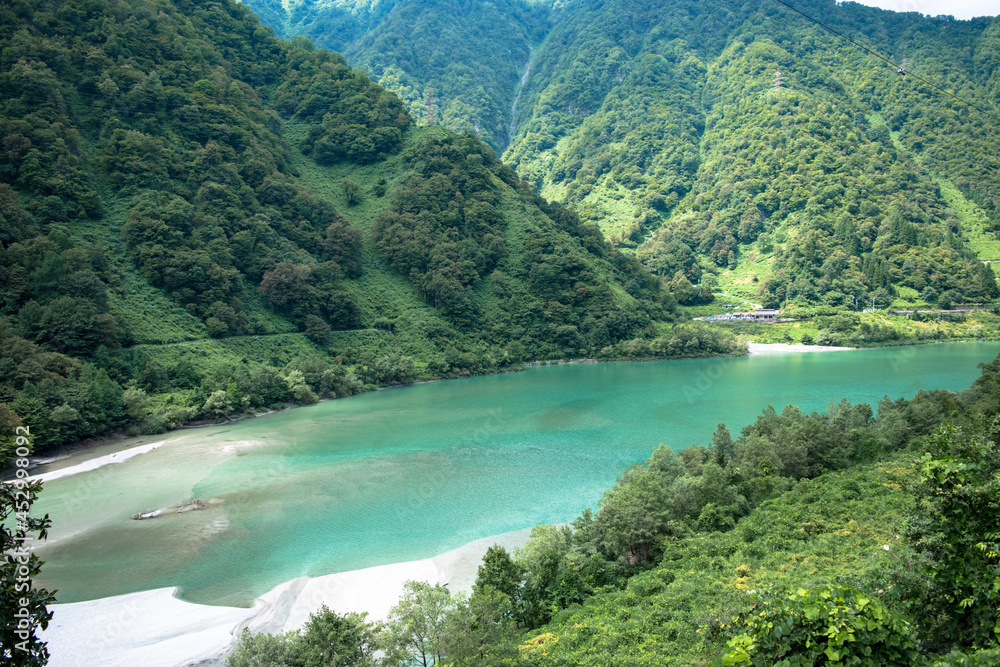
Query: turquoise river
point(407, 473)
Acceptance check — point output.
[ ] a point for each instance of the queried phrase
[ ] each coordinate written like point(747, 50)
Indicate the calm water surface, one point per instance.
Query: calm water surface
point(408, 473)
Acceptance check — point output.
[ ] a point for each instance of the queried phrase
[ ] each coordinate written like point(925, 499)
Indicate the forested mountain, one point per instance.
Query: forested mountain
point(200, 219)
point(663, 124)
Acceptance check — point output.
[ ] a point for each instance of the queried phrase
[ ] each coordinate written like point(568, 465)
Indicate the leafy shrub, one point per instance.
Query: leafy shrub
point(832, 624)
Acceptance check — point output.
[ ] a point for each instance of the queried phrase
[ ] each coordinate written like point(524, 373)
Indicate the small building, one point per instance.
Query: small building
point(765, 315)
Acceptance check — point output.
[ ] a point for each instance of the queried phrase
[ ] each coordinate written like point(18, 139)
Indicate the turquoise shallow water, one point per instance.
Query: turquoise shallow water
point(408, 473)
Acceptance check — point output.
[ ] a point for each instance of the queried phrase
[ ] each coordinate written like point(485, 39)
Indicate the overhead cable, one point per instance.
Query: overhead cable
point(883, 58)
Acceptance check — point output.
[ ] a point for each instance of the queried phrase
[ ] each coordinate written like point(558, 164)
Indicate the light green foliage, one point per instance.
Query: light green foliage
point(218, 404)
point(417, 627)
point(973, 658)
point(682, 610)
point(795, 502)
point(834, 624)
point(260, 650)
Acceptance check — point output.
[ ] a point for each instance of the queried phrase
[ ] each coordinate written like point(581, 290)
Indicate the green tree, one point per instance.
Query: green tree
point(499, 572)
point(722, 445)
point(417, 627)
point(956, 527)
point(317, 330)
point(218, 404)
point(261, 650)
point(329, 639)
point(482, 631)
point(351, 190)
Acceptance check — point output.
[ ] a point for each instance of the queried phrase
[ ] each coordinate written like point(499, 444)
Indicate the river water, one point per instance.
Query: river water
point(407, 473)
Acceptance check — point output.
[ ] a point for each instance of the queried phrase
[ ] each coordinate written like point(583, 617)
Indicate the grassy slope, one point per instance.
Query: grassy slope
point(972, 217)
point(380, 292)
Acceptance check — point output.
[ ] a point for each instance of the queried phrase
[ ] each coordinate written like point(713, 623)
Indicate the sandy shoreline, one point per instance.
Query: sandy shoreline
point(789, 348)
point(156, 629)
point(101, 461)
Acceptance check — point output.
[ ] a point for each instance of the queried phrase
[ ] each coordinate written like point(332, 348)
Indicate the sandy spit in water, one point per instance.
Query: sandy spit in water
point(788, 348)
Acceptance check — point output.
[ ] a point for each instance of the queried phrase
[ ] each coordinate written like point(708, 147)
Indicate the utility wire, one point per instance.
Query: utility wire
point(881, 57)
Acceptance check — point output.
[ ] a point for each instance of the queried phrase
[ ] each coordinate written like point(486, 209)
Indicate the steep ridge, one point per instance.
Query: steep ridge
point(462, 58)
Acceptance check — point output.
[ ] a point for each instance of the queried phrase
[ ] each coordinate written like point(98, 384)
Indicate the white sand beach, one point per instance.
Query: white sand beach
point(101, 461)
point(156, 629)
point(786, 348)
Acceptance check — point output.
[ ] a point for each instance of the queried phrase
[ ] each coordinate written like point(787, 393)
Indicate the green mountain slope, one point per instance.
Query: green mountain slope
point(461, 61)
point(662, 124)
point(199, 219)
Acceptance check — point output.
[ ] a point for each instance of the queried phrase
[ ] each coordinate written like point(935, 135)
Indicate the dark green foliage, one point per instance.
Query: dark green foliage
point(957, 531)
point(307, 292)
point(60, 398)
point(351, 191)
point(192, 143)
point(443, 229)
point(155, 194)
point(449, 230)
point(661, 123)
point(354, 119)
point(498, 572)
point(467, 58)
point(331, 640)
point(482, 631)
point(342, 246)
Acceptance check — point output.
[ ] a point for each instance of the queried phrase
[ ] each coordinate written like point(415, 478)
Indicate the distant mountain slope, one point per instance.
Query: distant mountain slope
point(661, 123)
point(463, 60)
